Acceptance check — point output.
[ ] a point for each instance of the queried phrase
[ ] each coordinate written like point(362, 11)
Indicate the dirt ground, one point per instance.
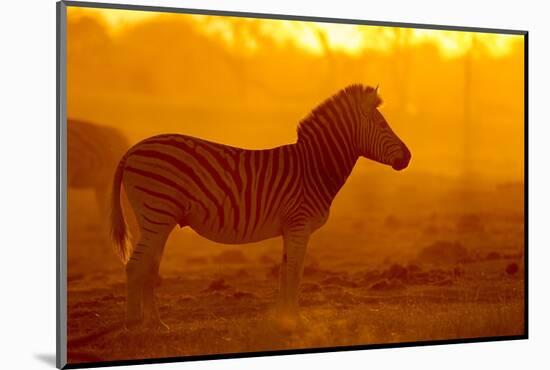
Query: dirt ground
point(389, 269)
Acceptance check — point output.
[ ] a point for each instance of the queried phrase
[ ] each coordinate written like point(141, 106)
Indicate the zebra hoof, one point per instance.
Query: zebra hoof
point(289, 320)
point(132, 325)
point(293, 323)
point(136, 326)
point(158, 326)
point(158, 281)
point(303, 322)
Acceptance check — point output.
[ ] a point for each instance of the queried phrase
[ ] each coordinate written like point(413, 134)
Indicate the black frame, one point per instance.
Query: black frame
point(61, 186)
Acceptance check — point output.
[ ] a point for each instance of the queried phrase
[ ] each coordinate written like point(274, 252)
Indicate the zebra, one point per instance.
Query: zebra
point(232, 195)
point(93, 152)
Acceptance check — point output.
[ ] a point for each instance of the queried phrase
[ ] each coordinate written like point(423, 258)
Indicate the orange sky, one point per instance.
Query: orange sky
point(455, 97)
point(351, 39)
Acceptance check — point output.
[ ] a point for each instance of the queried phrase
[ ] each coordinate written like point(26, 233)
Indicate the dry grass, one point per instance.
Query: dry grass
point(229, 319)
point(367, 281)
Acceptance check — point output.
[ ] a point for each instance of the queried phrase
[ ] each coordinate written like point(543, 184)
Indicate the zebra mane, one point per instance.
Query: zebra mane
point(357, 94)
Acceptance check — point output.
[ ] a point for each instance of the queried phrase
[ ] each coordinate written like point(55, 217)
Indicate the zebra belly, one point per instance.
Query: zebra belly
point(228, 235)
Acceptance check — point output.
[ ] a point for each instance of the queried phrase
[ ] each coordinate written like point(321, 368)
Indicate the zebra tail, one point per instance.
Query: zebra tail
point(119, 228)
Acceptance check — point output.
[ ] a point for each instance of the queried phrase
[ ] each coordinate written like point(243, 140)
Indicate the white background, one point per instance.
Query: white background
point(27, 181)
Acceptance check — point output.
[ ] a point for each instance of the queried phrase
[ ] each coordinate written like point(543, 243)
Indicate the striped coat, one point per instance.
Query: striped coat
point(232, 195)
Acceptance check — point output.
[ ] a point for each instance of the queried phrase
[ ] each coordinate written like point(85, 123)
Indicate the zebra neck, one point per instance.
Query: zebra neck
point(325, 169)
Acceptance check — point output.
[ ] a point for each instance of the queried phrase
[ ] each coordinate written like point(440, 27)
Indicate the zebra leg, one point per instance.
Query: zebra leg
point(142, 275)
point(135, 276)
point(295, 243)
point(282, 277)
point(150, 309)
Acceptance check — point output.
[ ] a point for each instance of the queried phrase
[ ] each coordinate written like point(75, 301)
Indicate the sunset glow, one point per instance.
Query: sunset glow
point(315, 38)
point(191, 135)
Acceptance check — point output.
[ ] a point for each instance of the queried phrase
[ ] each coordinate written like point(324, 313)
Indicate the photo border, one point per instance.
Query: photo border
point(61, 185)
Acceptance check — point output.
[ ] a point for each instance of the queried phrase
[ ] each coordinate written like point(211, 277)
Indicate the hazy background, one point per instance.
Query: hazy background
point(455, 98)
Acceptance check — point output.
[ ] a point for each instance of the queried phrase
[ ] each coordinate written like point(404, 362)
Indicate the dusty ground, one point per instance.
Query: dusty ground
point(373, 275)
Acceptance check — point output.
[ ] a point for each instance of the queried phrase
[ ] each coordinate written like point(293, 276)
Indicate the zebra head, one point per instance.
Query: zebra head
point(377, 141)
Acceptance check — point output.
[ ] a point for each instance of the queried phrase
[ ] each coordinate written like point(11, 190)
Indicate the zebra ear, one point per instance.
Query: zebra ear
point(371, 100)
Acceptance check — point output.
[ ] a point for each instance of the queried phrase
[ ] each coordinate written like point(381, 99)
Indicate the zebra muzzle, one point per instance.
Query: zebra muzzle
point(402, 162)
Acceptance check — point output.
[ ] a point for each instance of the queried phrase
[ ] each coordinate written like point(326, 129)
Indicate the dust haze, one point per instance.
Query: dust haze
point(434, 252)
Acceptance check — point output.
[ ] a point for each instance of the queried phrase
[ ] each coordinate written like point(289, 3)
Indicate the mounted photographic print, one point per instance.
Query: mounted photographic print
point(238, 184)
